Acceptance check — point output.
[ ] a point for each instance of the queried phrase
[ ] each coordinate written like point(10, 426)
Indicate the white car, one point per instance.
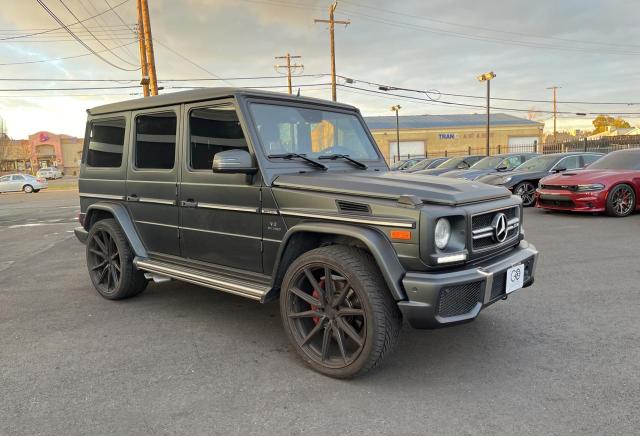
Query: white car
point(22, 182)
point(49, 173)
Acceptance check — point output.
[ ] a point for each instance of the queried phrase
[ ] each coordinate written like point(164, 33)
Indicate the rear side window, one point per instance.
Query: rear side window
point(212, 130)
point(106, 141)
point(590, 158)
point(570, 163)
point(155, 146)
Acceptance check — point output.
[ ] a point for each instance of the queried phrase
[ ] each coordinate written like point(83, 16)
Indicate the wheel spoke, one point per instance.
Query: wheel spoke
point(100, 265)
point(306, 314)
point(350, 311)
point(346, 327)
point(116, 266)
point(343, 295)
point(99, 242)
point(103, 273)
point(312, 333)
point(326, 342)
point(310, 299)
point(329, 286)
point(338, 336)
point(114, 277)
point(97, 253)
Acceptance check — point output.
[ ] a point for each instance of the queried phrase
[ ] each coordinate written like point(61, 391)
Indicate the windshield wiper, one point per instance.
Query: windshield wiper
point(346, 157)
point(290, 156)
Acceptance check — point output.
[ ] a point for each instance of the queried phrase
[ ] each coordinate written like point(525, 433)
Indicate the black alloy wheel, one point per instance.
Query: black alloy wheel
point(104, 261)
point(337, 311)
point(526, 191)
point(621, 201)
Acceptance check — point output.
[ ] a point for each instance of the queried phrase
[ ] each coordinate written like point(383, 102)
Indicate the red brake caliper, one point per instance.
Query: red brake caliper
point(316, 294)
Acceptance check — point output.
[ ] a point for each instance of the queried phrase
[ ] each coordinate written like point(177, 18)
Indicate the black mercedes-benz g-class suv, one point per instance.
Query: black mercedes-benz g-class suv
point(272, 196)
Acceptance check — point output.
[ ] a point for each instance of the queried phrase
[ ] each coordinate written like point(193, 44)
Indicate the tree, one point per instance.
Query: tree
point(602, 122)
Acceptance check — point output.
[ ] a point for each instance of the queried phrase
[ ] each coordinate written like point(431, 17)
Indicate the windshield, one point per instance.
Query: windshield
point(488, 163)
point(540, 163)
point(452, 163)
point(312, 132)
point(623, 160)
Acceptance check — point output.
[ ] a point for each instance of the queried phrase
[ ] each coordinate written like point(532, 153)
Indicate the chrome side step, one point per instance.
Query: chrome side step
point(213, 281)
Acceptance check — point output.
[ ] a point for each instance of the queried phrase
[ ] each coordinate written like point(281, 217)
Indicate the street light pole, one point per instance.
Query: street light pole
point(397, 108)
point(486, 77)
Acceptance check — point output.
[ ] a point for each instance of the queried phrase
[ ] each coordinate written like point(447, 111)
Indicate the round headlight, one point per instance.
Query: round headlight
point(442, 233)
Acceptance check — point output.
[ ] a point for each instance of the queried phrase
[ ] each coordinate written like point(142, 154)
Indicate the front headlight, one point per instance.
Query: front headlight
point(590, 187)
point(442, 233)
point(506, 179)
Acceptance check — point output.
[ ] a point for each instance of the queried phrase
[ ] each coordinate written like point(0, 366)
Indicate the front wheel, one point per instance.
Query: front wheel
point(621, 201)
point(337, 311)
point(27, 189)
point(526, 191)
point(110, 262)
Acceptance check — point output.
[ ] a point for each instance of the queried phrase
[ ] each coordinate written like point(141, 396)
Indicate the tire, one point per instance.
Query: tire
point(352, 333)
point(28, 189)
point(526, 191)
point(621, 201)
point(35, 191)
point(110, 262)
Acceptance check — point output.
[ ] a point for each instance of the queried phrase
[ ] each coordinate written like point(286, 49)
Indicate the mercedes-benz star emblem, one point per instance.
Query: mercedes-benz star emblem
point(499, 225)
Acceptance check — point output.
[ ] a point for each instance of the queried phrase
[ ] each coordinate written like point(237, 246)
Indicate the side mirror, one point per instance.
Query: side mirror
point(559, 170)
point(237, 161)
point(502, 168)
point(462, 166)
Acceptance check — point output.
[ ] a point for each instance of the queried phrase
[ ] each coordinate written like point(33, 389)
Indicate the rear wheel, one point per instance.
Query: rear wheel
point(36, 191)
point(526, 191)
point(28, 189)
point(337, 311)
point(110, 262)
point(621, 201)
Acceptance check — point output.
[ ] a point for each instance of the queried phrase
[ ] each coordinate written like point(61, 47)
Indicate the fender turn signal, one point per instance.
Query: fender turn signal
point(401, 235)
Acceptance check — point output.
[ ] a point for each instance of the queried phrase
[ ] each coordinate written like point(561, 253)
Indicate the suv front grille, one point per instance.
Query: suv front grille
point(483, 232)
point(459, 300)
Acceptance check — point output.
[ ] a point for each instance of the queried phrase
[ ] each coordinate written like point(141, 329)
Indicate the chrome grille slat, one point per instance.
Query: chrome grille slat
point(482, 232)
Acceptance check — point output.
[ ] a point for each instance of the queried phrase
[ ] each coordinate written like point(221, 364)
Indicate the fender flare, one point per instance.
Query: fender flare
point(123, 218)
point(378, 245)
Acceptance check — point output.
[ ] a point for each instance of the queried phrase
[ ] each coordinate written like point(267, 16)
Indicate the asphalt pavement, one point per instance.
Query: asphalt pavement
point(561, 357)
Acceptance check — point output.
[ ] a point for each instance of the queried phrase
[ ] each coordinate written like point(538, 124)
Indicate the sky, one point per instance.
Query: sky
point(589, 48)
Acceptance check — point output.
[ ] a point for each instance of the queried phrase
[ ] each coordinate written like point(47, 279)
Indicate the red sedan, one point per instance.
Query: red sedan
point(611, 185)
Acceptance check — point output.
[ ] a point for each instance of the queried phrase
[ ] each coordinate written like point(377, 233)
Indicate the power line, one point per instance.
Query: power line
point(63, 26)
point(94, 36)
point(64, 58)
point(93, 88)
point(80, 41)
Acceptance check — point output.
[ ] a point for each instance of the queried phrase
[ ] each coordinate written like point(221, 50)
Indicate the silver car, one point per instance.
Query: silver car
point(49, 173)
point(22, 182)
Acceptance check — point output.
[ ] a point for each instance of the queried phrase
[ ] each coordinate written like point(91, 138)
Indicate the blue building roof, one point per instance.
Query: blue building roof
point(455, 120)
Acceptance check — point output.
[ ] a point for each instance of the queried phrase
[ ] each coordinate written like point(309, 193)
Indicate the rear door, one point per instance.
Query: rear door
point(152, 178)
point(16, 183)
point(220, 213)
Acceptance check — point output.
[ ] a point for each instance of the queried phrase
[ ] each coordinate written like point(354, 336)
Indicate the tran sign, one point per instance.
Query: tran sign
point(447, 136)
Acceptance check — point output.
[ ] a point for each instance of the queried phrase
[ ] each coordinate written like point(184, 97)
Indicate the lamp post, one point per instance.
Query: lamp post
point(397, 108)
point(486, 77)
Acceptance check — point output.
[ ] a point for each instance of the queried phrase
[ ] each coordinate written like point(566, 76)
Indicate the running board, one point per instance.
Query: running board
point(213, 281)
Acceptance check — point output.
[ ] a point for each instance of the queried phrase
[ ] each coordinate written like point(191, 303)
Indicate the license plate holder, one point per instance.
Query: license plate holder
point(515, 278)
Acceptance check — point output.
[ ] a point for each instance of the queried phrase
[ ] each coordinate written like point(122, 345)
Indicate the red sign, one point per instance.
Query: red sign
point(44, 137)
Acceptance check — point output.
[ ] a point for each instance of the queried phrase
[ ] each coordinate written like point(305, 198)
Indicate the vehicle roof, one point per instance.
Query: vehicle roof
point(202, 94)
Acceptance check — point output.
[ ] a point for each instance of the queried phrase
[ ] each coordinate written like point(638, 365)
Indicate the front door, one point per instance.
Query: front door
point(220, 213)
point(152, 179)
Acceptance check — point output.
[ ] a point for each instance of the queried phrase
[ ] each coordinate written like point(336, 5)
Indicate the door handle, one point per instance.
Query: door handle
point(133, 197)
point(189, 203)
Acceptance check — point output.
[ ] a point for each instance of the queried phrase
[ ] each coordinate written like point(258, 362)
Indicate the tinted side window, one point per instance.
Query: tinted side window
point(590, 158)
point(17, 178)
point(570, 163)
point(512, 162)
point(4, 178)
point(212, 130)
point(155, 146)
point(106, 140)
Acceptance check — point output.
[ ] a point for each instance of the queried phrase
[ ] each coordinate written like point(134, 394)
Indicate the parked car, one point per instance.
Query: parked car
point(454, 163)
point(611, 185)
point(21, 182)
point(405, 164)
point(243, 198)
point(491, 164)
point(523, 181)
point(426, 164)
point(49, 173)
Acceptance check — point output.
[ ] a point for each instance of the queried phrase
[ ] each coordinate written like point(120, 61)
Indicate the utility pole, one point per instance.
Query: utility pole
point(397, 108)
point(332, 22)
point(148, 42)
point(143, 52)
point(290, 68)
point(555, 112)
point(486, 77)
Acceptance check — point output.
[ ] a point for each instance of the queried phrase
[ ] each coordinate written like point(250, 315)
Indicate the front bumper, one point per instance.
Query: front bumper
point(448, 298)
point(81, 234)
point(594, 201)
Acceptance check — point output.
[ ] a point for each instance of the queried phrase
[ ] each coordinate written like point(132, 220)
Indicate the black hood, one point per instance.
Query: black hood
point(433, 171)
point(516, 177)
point(471, 174)
point(391, 185)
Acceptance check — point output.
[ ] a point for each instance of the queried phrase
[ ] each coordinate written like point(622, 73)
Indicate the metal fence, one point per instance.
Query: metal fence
point(601, 145)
